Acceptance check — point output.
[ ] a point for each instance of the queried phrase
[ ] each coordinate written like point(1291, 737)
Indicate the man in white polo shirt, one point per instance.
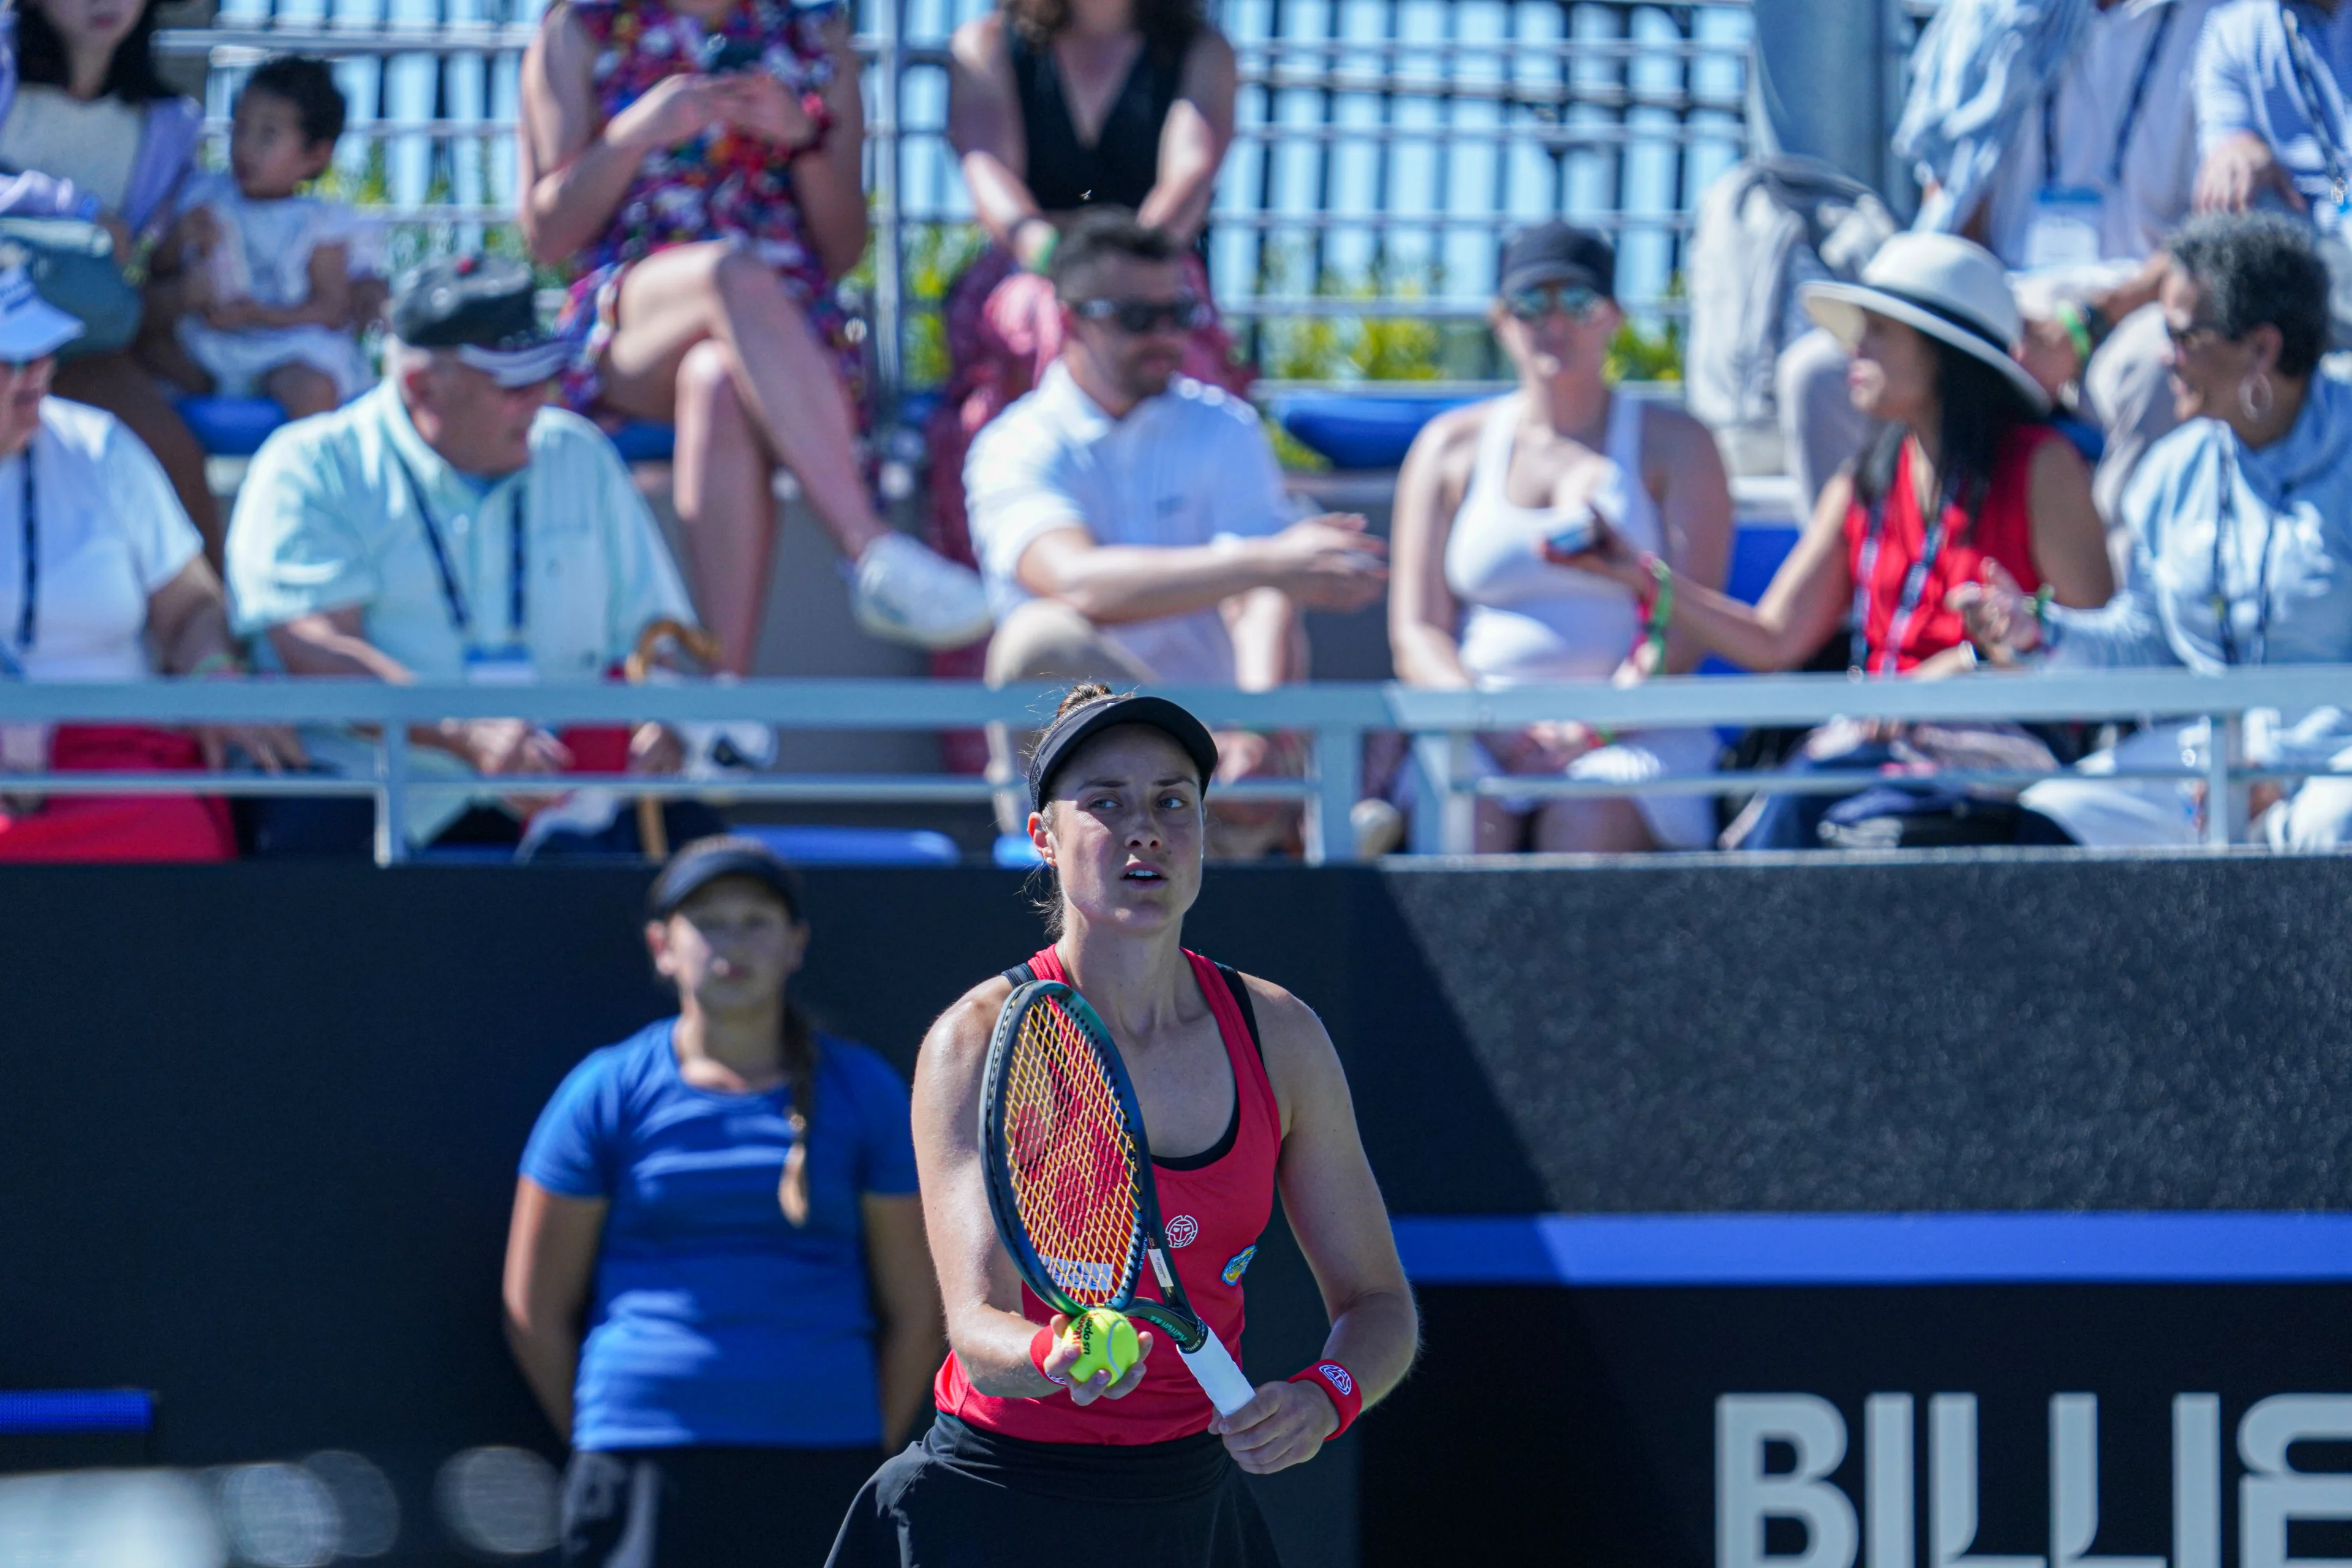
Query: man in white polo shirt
point(1130, 522)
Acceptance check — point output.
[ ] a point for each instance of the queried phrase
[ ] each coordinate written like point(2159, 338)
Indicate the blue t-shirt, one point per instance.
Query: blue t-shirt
point(715, 1320)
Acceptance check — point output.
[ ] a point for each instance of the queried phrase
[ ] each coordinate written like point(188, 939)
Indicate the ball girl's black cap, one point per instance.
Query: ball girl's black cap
point(1073, 729)
point(707, 860)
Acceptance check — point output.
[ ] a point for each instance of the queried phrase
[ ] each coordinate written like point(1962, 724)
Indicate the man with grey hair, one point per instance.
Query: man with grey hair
point(449, 525)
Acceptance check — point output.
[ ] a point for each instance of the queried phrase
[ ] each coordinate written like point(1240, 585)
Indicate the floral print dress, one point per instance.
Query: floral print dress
point(718, 186)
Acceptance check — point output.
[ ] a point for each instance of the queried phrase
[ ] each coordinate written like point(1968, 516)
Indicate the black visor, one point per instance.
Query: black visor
point(1074, 729)
point(708, 860)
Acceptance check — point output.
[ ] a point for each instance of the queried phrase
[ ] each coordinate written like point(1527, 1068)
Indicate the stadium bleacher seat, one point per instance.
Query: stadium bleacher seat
point(231, 426)
point(1359, 429)
point(817, 846)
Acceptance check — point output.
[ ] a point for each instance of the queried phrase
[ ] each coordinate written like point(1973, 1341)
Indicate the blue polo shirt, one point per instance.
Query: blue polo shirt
point(715, 1322)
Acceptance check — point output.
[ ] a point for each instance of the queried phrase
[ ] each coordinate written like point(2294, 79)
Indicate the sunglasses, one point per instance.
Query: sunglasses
point(2183, 337)
point(1136, 317)
point(1533, 304)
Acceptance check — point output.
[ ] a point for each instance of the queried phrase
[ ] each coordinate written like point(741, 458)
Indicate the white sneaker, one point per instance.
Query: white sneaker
point(903, 590)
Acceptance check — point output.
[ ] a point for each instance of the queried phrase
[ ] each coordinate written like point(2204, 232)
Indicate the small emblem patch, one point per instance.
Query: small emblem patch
point(1184, 1230)
point(1339, 1376)
point(1240, 1265)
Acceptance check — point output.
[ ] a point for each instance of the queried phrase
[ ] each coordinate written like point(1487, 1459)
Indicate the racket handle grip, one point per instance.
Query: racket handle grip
point(1213, 1367)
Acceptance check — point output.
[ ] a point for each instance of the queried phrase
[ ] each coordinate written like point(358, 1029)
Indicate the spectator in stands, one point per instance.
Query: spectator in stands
point(91, 131)
point(2271, 123)
point(1056, 106)
point(1476, 604)
point(2088, 162)
point(696, 162)
point(2243, 521)
point(716, 1278)
point(1131, 521)
point(448, 526)
point(103, 577)
point(1968, 442)
point(263, 305)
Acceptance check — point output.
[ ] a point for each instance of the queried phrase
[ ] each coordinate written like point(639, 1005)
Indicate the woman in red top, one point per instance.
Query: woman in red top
point(1242, 1094)
point(1965, 440)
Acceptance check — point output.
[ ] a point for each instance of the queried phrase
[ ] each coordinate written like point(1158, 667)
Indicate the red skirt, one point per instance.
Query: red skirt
point(86, 827)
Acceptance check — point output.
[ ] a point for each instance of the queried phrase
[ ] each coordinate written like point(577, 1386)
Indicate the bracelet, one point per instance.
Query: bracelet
point(1041, 1345)
point(1659, 610)
point(2078, 330)
point(217, 664)
point(820, 115)
point(1043, 261)
point(1338, 1383)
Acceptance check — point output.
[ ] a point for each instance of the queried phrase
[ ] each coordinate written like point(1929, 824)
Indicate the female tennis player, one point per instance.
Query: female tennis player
point(1241, 1093)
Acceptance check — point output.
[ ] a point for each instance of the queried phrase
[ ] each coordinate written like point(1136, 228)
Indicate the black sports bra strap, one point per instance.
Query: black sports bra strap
point(1020, 975)
point(1240, 988)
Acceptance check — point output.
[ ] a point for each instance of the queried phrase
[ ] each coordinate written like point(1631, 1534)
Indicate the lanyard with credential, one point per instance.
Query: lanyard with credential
point(1915, 588)
point(453, 596)
point(2225, 527)
point(2304, 71)
point(29, 612)
point(2132, 106)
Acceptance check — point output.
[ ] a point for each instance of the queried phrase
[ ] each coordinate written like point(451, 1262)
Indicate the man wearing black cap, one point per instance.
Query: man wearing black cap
point(450, 526)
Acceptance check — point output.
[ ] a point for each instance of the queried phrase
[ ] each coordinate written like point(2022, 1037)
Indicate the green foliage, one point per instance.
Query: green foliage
point(1368, 347)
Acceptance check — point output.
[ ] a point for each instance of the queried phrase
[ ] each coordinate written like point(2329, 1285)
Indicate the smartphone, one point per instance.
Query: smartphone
point(721, 54)
point(1575, 533)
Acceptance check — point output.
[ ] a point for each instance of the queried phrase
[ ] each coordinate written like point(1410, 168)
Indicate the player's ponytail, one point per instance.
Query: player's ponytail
point(800, 1065)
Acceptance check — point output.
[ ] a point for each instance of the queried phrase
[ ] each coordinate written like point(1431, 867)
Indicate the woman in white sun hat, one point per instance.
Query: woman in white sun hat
point(1969, 470)
point(103, 578)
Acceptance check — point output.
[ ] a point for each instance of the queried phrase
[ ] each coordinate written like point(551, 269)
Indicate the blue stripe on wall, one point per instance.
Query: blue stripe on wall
point(1875, 1249)
point(75, 1410)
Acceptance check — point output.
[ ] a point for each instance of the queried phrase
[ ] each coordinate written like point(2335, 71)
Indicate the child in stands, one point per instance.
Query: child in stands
point(266, 274)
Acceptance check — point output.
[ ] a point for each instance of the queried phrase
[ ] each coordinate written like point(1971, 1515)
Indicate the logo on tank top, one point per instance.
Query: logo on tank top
point(1239, 1265)
point(1184, 1230)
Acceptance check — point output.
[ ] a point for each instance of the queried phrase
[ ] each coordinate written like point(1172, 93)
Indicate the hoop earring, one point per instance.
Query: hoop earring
point(2249, 402)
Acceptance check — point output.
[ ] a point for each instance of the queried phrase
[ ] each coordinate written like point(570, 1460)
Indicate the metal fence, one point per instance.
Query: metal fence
point(1383, 146)
point(1337, 718)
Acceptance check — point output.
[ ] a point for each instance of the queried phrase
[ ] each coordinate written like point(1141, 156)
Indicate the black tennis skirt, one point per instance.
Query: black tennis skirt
point(963, 1498)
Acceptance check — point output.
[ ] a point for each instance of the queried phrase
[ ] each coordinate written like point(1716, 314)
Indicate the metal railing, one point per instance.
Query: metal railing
point(1336, 718)
point(1380, 153)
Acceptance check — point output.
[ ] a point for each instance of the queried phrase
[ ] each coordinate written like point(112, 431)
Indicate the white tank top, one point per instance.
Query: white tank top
point(1524, 618)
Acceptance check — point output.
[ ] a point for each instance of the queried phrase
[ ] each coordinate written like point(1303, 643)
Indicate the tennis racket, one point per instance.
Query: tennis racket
point(1069, 1177)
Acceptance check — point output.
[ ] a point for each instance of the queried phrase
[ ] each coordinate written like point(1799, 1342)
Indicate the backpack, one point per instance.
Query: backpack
point(1766, 227)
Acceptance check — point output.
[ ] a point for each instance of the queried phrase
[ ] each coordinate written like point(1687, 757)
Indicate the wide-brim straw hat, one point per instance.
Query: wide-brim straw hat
point(1952, 289)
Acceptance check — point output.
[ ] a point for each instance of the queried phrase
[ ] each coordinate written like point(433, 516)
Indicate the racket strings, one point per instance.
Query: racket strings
point(1072, 1155)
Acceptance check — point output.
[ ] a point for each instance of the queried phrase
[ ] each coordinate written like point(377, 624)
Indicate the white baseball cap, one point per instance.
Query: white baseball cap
point(1953, 290)
point(31, 327)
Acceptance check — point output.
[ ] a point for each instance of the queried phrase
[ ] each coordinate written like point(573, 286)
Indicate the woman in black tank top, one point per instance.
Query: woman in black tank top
point(1054, 106)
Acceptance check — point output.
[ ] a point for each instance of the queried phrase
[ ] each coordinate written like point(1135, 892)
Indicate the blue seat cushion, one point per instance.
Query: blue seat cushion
point(231, 426)
point(819, 845)
point(1360, 430)
point(642, 441)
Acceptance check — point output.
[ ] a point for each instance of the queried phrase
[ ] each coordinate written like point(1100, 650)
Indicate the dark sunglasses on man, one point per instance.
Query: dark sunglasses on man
point(1535, 304)
point(1136, 317)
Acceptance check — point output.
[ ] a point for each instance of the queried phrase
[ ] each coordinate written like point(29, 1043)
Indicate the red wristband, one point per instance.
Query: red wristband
point(1338, 1383)
point(1041, 1345)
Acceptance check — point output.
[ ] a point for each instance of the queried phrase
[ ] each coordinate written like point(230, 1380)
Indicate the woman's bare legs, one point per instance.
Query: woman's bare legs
point(681, 297)
point(123, 386)
point(723, 498)
point(1592, 827)
point(301, 390)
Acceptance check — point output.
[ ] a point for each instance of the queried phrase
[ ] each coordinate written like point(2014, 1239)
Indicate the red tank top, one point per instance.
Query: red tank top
point(1213, 1214)
point(2003, 532)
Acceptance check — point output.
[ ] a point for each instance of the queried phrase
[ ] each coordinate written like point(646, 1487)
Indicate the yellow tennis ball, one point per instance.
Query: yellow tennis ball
point(1106, 1342)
